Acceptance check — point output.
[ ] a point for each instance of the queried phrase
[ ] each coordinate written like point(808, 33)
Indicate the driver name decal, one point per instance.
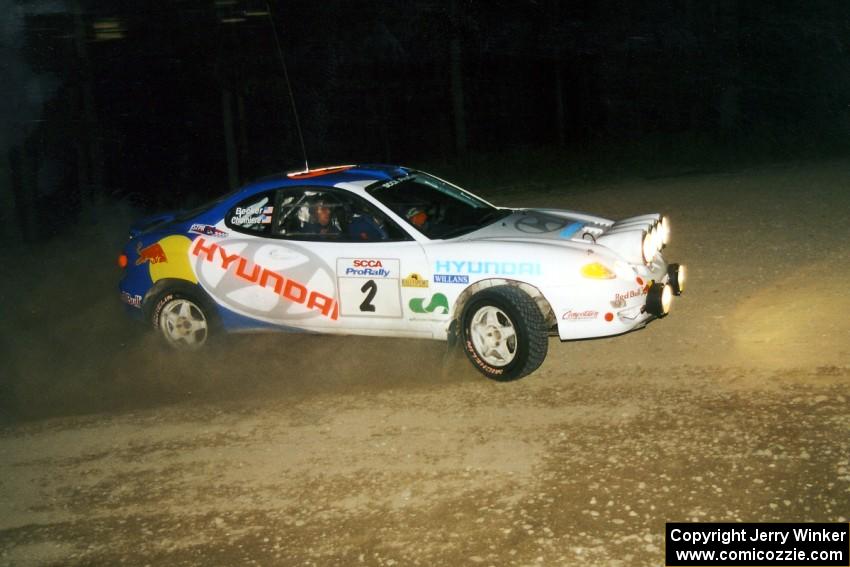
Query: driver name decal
point(287, 288)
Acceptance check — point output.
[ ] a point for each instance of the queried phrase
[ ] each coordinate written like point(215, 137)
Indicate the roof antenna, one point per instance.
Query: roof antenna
point(288, 85)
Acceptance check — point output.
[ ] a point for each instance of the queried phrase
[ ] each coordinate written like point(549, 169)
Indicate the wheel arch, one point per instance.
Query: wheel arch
point(170, 285)
point(542, 303)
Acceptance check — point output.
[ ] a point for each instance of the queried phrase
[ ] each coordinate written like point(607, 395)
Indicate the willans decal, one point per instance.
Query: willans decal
point(453, 279)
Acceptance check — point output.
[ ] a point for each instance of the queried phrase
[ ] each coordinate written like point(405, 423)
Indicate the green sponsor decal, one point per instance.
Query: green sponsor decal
point(438, 304)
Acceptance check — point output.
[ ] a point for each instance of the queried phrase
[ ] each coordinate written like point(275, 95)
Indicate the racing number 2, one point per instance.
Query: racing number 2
point(370, 288)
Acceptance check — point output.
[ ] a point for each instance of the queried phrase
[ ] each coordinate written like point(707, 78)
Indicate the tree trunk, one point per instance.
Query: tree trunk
point(456, 78)
point(243, 128)
point(730, 96)
point(10, 228)
point(23, 167)
point(560, 120)
point(229, 139)
point(457, 98)
point(89, 151)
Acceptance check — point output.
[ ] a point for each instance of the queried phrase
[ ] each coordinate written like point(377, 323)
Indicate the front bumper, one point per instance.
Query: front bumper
point(617, 306)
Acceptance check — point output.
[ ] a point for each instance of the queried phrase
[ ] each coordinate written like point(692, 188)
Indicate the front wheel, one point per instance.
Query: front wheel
point(183, 319)
point(504, 334)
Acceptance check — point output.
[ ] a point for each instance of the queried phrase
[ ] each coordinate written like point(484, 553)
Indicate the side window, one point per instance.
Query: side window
point(321, 214)
point(310, 214)
point(368, 224)
point(253, 215)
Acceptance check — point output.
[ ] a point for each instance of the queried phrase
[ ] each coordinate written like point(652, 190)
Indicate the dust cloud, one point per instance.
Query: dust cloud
point(295, 449)
point(68, 347)
point(764, 247)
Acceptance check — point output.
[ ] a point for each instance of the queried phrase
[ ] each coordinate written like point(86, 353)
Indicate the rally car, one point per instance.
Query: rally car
point(392, 251)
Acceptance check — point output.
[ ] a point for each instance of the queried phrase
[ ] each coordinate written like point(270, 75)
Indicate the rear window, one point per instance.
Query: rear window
point(252, 215)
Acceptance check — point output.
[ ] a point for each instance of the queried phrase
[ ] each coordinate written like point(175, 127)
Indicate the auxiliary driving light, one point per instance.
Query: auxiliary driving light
point(659, 299)
point(647, 248)
point(655, 238)
point(676, 275)
point(665, 231)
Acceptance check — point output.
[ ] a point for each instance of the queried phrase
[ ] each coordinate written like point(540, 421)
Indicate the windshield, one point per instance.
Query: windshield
point(433, 207)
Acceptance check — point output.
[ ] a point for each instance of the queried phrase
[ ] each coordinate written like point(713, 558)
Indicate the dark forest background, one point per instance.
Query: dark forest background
point(162, 104)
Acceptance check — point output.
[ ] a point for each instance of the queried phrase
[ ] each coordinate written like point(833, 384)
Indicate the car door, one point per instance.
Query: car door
point(378, 269)
point(284, 263)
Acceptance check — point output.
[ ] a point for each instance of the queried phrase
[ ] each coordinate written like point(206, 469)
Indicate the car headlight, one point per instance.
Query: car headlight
point(648, 247)
point(665, 231)
point(656, 237)
point(666, 299)
point(597, 271)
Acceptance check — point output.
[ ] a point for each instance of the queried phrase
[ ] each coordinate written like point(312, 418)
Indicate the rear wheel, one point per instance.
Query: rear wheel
point(183, 319)
point(504, 334)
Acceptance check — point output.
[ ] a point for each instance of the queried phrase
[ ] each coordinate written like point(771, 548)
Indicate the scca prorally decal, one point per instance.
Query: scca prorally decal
point(447, 278)
point(244, 269)
point(368, 267)
point(439, 304)
point(488, 268)
point(397, 181)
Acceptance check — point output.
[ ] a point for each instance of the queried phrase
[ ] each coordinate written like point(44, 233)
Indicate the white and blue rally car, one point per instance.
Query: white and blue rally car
point(392, 251)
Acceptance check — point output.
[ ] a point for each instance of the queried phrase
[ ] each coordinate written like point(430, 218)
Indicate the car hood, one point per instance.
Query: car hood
point(570, 228)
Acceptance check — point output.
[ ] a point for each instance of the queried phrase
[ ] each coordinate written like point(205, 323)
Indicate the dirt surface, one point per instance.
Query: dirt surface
point(285, 450)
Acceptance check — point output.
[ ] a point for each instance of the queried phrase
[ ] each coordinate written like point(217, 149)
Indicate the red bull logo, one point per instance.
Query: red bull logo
point(153, 254)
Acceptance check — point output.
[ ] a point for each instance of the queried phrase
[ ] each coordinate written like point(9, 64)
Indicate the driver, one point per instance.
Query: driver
point(322, 219)
point(417, 217)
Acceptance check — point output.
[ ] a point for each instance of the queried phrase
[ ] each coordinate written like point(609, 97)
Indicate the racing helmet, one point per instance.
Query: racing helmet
point(417, 216)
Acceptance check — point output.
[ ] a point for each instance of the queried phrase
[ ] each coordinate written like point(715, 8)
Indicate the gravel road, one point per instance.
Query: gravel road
point(300, 450)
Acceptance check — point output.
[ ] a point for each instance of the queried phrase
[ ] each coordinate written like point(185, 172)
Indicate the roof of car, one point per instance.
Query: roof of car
point(329, 176)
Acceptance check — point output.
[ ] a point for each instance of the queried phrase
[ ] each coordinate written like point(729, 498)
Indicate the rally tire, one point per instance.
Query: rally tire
point(503, 333)
point(184, 318)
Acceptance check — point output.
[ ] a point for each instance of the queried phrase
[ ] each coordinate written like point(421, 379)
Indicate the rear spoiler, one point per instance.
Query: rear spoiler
point(149, 224)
